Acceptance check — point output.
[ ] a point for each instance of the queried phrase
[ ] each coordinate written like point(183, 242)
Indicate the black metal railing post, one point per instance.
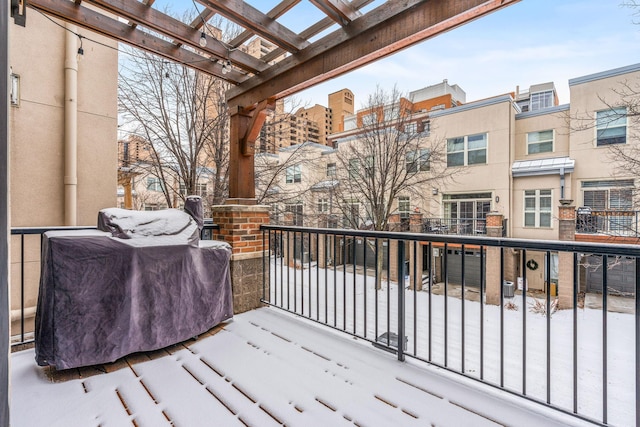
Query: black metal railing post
point(401, 255)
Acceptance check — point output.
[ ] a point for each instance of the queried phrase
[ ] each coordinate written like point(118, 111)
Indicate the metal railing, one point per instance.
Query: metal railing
point(615, 223)
point(19, 315)
point(459, 226)
point(570, 351)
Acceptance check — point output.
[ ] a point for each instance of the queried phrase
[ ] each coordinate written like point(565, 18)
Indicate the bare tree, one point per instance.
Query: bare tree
point(178, 111)
point(393, 156)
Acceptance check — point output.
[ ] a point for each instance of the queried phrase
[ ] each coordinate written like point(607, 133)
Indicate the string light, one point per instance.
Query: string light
point(80, 50)
point(203, 39)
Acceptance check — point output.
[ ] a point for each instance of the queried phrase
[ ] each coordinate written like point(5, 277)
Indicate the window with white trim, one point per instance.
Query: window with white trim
point(331, 169)
point(411, 128)
point(467, 150)
point(540, 100)
point(608, 194)
point(537, 208)
point(293, 174)
point(540, 142)
point(418, 161)
point(323, 205)
point(404, 206)
point(354, 168)
point(297, 210)
point(611, 126)
point(154, 184)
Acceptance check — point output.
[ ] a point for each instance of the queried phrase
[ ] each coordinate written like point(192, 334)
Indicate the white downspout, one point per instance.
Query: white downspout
point(71, 126)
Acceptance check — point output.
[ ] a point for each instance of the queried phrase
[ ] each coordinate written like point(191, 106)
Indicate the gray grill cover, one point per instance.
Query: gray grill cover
point(103, 297)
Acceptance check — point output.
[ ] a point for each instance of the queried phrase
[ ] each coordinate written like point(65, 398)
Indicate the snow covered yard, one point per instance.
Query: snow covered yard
point(266, 368)
point(448, 331)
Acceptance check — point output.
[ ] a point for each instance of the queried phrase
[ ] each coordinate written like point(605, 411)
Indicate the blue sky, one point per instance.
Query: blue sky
point(532, 41)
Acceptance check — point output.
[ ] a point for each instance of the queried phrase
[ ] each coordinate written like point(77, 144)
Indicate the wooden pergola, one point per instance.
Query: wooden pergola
point(360, 37)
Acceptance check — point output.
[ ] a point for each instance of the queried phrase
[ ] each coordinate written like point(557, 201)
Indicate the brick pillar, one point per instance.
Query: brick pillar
point(240, 227)
point(394, 225)
point(493, 285)
point(566, 232)
point(415, 254)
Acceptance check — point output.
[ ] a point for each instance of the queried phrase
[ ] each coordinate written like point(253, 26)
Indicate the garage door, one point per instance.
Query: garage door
point(471, 266)
point(621, 274)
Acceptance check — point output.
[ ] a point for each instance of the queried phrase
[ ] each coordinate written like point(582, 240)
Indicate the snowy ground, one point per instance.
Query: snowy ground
point(355, 300)
point(267, 368)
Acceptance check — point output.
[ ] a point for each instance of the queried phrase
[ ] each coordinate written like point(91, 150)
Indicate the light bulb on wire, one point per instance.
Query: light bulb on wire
point(203, 39)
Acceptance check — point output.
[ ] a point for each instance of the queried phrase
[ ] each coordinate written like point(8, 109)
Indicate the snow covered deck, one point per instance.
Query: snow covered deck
point(263, 368)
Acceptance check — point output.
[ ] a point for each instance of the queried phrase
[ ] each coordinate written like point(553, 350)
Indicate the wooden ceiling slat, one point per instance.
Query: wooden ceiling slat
point(251, 18)
point(316, 28)
point(121, 31)
point(280, 9)
point(338, 10)
point(155, 20)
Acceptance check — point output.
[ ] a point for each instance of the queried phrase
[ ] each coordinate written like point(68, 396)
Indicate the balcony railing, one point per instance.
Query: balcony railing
point(611, 222)
point(449, 301)
point(459, 226)
point(22, 311)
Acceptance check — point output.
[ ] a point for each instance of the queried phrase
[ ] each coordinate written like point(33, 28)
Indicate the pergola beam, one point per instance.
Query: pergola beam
point(155, 20)
point(251, 18)
point(95, 21)
point(280, 9)
point(338, 10)
point(316, 28)
point(381, 32)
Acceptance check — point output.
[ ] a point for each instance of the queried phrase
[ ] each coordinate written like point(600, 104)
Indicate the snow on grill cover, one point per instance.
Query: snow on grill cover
point(141, 282)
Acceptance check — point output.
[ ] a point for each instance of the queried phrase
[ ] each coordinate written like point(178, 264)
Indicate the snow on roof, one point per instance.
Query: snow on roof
point(556, 165)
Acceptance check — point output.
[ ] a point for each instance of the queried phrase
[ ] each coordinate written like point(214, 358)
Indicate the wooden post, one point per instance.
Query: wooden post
point(245, 125)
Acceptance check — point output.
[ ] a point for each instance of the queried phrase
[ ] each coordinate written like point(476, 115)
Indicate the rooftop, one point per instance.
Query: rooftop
point(264, 368)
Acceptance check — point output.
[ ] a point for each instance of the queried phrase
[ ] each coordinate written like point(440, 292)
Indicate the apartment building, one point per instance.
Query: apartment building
point(523, 156)
point(63, 126)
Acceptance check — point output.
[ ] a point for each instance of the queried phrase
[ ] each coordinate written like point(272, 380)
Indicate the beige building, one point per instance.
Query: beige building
point(521, 155)
point(63, 124)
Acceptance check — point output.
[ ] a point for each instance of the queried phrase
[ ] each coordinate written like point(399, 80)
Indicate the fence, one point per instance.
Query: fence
point(551, 342)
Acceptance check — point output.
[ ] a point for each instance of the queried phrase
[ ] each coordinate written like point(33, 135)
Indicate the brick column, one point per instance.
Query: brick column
point(240, 227)
point(415, 256)
point(394, 225)
point(493, 285)
point(566, 232)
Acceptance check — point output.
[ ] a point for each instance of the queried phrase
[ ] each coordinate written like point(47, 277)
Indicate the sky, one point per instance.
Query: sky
point(529, 42)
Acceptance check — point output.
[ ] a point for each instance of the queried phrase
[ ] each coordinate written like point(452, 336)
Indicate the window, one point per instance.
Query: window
point(466, 213)
point(369, 119)
point(297, 210)
point(540, 142)
point(616, 198)
point(418, 161)
point(293, 174)
point(369, 165)
point(537, 208)
point(351, 214)
point(411, 128)
point(404, 206)
point(323, 205)
point(611, 126)
point(608, 195)
point(467, 150)
point(540, 100)
point(354, 168)
point(331, 169)
point(154, 184)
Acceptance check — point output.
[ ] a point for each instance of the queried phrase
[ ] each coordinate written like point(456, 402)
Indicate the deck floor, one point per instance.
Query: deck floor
point(263, 368)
